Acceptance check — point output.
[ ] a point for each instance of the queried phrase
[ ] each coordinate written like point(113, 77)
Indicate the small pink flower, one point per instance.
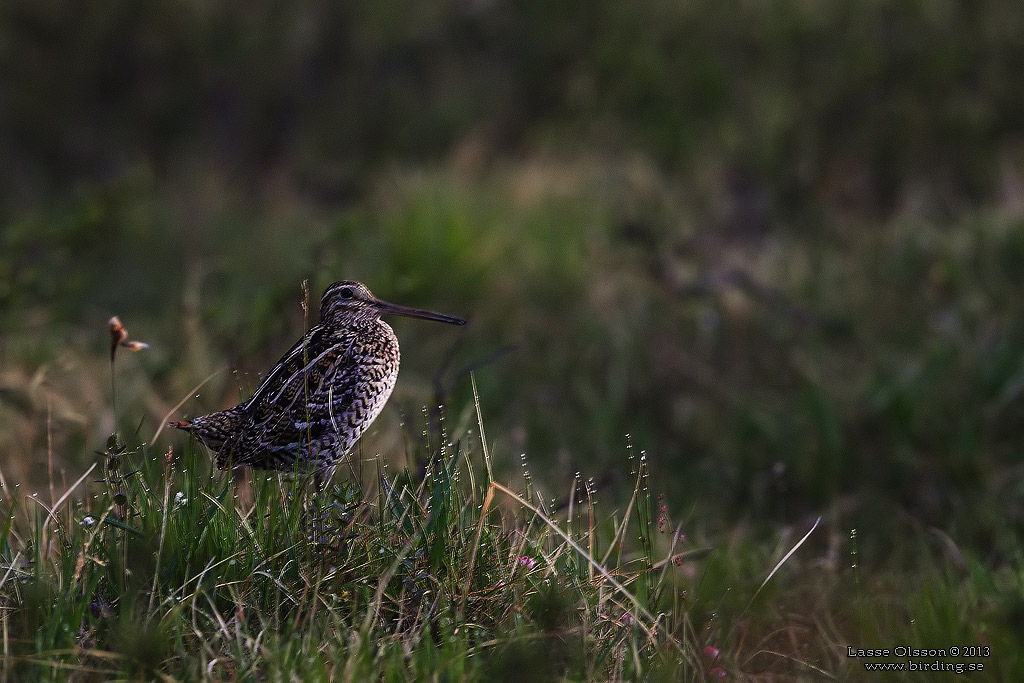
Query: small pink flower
point(717, 672)
point(627, 619)
point(527, 561)
point(711, 652)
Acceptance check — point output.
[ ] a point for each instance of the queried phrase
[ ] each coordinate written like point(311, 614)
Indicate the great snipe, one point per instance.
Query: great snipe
point(322, 395)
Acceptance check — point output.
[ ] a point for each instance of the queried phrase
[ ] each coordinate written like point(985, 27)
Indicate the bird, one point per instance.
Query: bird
point(321, 396)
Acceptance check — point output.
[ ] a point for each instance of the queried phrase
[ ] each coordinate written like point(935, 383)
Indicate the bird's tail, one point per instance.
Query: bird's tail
point(214, 429)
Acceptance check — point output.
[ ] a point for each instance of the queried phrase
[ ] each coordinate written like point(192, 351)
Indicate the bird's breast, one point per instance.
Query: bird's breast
point(373, 359)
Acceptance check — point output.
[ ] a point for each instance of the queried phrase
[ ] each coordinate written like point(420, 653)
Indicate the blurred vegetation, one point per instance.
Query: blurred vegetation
point(780, 245)
point(793, 109)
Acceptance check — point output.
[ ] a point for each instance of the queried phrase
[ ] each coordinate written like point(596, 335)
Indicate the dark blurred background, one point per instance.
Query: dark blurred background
point(778, 244)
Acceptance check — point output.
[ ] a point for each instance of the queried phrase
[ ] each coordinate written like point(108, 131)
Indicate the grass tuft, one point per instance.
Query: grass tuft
point(166, 569)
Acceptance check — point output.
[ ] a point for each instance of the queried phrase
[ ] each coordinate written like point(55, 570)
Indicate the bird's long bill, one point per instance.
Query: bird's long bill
point(385, 307)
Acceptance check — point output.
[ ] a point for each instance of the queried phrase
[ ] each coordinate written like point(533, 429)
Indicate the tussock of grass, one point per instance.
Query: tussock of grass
point(152, 565)
point(160, 570)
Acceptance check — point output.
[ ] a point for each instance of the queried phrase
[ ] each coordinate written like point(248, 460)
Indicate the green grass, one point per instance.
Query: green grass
point(154, 566)
point(161, 572)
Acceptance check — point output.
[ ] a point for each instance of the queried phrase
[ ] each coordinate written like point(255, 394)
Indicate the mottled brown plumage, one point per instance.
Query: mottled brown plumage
point(322, 395)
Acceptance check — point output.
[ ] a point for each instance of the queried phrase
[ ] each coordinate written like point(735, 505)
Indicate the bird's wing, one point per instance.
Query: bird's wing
point(295, 404)
point(291, 364)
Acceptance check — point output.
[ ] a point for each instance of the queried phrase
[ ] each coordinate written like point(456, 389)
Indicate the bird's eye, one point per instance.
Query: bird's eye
point(346, 293)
